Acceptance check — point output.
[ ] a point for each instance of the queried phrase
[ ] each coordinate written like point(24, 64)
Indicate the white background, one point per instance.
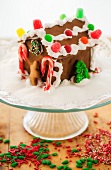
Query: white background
point(21, 13)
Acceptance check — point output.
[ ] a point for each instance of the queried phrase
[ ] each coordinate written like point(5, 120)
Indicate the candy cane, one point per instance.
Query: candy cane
point(22, 51)
point(50, 71)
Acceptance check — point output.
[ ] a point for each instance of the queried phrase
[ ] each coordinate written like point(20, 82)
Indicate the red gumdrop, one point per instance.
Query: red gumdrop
point(37, 24)
point(84, 40)
point(56, 47)
point(96, 34)
point(68, 32)
point(68, 48)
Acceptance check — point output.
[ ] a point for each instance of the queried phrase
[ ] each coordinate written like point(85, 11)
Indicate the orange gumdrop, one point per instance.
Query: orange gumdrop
point(84, 40)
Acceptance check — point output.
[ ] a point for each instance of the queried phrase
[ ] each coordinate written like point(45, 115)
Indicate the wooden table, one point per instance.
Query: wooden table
point(11, 127)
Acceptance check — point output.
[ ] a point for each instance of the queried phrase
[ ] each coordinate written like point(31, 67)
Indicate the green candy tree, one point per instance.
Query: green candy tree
point(81, 71)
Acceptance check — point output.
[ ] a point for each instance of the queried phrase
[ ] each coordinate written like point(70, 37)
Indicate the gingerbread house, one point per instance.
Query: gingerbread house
point(58, 51)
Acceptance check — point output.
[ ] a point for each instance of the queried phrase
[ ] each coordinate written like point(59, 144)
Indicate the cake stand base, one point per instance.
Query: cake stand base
point(55, 126)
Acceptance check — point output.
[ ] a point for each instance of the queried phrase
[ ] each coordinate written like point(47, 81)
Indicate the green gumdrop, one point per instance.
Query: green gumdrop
point(62, 16)
point(48, 37)
point(79, 13)
point(90, 27)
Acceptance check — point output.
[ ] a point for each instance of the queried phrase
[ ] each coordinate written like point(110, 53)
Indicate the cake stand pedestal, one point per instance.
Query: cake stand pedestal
point(55, 125)
point(52, 124)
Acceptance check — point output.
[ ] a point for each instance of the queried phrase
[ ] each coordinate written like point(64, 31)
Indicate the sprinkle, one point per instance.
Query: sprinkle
point(58, 143)
point(6, 141)
point(74, 150)
point(89, 164)
point(95, 114)
point(95, 122)
point(54, 154)
point(52, 166)
point(14, 164)
point(65, 162)
point(1, 140)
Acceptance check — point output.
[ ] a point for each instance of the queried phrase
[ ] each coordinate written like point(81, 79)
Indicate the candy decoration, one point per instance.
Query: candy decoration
point(56, 47)
point(90, 27)
point(67, 48)
point(20, 32)
point(48, 37)
point(50, 71)
point(84, 40)
point(62, 16)
point(22, 51)
point(36, 47)
point(37, 24)
point(68, 32)
point(79, 13)
point(81, 71)
point(96, 34)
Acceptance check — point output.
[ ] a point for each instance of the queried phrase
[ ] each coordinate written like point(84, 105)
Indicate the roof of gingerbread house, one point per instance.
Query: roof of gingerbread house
point(51, 42)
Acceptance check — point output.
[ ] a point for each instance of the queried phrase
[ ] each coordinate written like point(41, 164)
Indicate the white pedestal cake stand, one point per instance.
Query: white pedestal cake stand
point(54, 124)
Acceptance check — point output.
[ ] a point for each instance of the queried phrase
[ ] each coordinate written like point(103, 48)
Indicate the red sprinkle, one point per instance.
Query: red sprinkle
point(95, 122)
point(95, 114)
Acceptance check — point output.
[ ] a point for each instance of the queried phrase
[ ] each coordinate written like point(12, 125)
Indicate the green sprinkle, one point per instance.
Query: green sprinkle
point(89, 159)
point(15, 147)
point(7, 153)
point(46, 162)
point(23, 145)
point(62, 16)
point(8, 156)
point(54, 154)
point(79, 13)
point(78, 165)
point(6, 141)
point(3, 160)
point(34, 144)
point(85, 169)
point(95, 161)
point(14, 164)
point(47, 150)
point(79, 162)
point(82, 160)
point(89, 164)
point(69, 168)
point(42, 141)
point(74, 150)
point(14, 157)
point(46, 144)
point(49, 141)
point(52, 166)
point(21, 157)
point(44, 155)
point(65, 162)
point(60, 167)
point(39, 158)
point(65, 167)
point(2, 155)
point(90, 27)
point(35, 137)
point(58, 143)
point(48, 37)
point(36, 153)
point(1, 140)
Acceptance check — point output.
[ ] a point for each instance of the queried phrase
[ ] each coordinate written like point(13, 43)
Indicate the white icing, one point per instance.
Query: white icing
point(57, 74)
point(63, 51)
point(74, 48)
point(93, 56)
point(61, 37)
point(46, 43)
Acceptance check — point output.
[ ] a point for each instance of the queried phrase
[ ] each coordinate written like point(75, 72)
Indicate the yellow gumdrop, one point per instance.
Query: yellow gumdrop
point(20, 32)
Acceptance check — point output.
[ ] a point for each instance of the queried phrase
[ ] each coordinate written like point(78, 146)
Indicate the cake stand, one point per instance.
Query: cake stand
point(53, 124)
